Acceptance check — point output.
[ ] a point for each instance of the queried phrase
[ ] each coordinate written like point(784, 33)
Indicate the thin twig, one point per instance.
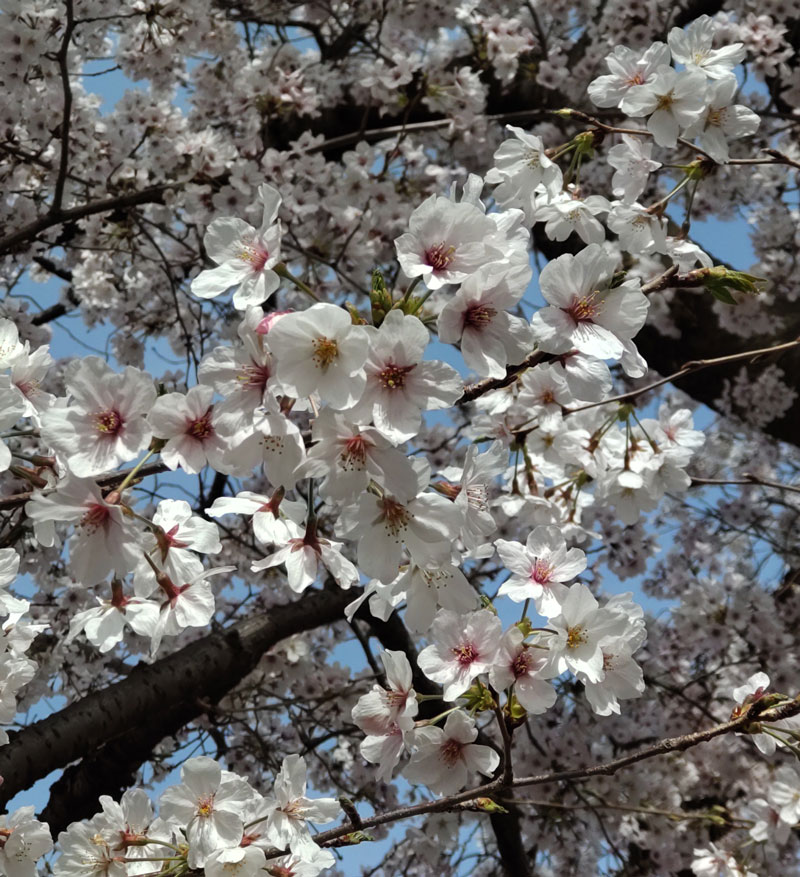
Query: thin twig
point(66, 118)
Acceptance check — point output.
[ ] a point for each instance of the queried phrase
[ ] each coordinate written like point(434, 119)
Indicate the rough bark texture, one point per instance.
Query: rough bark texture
point(114, 730)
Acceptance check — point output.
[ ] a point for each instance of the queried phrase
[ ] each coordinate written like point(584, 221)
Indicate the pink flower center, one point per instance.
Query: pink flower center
point(354, 454)
point(440, 256)
point(478, 497)
point(205, 806)
point(393, 377)
point(95, 517)
point(395, 517)
point(450, 752)
point(254, 375)
point(201, 428)
point(541, 572)
point(169, 537)
point(108, 422)
point(465, 654)
point(635, 79)
point(28, 388)
point(478, 316)
point(584, 310)
point(522, 664)
point(256, 254)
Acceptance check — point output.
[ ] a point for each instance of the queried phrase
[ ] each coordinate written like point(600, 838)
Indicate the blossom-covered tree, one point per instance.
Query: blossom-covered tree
point(386, 455)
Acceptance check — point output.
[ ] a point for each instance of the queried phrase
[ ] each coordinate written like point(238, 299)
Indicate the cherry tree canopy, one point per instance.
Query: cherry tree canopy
point(428, 494)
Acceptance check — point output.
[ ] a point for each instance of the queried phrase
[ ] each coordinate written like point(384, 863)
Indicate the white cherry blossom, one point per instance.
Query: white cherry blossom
point(209, 804)
point(187, 424)
point(585, 313)
point(693, 48)
point(445, 757)
point(462, 648)
point(400, 386)
point(477, 317)
point(673, 101)
point(319, 350)
point(631, 69)
point(105, 424)
point(245, 256)
point(540, 568)
point(292, 809)
point(521, 666)
point(446, 242)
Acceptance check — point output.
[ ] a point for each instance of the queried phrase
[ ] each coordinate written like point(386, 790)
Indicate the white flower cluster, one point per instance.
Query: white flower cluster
point(213, 820)
point(323, 402)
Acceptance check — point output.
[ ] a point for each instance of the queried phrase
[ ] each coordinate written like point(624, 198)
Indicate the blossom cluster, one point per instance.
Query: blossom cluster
point(319, 409)
point(213, 820)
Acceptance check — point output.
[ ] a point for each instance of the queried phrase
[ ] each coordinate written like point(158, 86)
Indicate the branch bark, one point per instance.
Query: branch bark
point(113, 730)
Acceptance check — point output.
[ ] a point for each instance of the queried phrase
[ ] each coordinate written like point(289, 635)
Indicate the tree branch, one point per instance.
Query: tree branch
point(151, 195)
point(758, 711)
point(115, 729)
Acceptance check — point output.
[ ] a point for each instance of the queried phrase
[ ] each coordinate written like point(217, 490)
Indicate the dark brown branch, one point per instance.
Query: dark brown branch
point(473, 391)
point(17, 499)
point(757, 711)
point(151, 195)
point(66, 118)
point(114, 730)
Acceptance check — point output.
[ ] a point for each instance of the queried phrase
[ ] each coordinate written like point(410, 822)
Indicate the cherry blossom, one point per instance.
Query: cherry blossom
point(25, 839)
point(722, 121)
point(304, 553)
point(477, 318)
point(347, 456)
point(209, 803)
point(426, 525)
point(692, 47)
point(540, 568)
point(399, 384)
point(446, 756)
point(631, 71)
point(521, 666)
point(584, 312)
point(245, 256)
point(104, 539)
point(446, 242)
point(633, 166)
point(319, 350)
point(386, 717)
point(105, 424)
point(292, 809)
point(672, 100)
point(581, 627)
point(271, 516)
point(463, 647)
point(521, 167)
point(188, 426)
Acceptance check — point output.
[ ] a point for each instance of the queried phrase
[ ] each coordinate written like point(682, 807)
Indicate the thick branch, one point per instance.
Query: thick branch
point(151, 195)
point(156, 700)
